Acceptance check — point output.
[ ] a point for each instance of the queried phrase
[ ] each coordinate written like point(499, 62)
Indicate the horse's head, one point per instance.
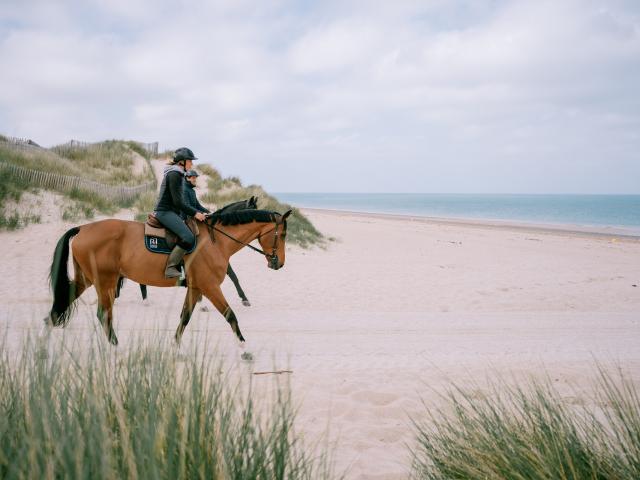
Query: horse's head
point(272, 240)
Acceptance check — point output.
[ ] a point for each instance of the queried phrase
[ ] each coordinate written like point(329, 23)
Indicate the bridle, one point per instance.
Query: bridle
point(271, 257)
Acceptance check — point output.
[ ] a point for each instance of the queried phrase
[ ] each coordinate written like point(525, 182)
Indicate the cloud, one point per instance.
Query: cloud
point(303, 96)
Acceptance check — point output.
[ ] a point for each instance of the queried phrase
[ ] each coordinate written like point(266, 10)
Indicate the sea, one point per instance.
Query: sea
point(590, 212)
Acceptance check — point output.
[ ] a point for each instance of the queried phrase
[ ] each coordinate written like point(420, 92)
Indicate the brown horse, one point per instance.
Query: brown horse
point(106, 250)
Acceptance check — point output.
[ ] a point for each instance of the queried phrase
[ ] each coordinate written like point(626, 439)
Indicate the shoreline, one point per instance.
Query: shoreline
point(620, 233)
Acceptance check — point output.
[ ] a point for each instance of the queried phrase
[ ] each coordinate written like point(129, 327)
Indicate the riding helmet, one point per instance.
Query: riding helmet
point(183, 153)
point(191, 173)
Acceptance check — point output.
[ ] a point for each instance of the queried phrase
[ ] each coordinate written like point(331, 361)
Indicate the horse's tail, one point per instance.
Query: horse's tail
point(64, 290)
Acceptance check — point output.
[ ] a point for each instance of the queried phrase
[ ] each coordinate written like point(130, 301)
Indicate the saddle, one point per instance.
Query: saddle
point(159, 239)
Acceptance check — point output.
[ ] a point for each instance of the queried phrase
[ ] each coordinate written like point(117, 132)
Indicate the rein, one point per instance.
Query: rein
point(245, 244)
point(272, 257)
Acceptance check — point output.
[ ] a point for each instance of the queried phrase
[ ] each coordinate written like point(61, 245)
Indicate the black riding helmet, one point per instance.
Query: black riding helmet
point(182, 154)
point(191, 173)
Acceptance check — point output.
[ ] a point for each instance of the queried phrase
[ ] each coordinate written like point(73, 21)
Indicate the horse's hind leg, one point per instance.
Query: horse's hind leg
point(79, 284)
point(106, 297)
point(193, 296)
point(119, 286)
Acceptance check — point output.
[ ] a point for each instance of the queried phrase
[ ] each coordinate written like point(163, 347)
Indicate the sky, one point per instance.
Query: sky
point(468, 96)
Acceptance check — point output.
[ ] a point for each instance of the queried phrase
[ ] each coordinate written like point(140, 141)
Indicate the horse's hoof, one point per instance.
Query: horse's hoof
point(246, 303)
point(247, 356)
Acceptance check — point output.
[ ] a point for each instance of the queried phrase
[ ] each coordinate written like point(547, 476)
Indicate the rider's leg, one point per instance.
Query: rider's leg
point(173, 222)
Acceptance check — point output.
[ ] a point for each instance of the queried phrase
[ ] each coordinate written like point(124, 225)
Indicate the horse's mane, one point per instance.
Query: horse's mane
point(248, 204)
point(241, 217)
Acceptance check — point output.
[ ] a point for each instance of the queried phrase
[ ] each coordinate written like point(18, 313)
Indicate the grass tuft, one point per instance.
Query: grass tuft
point(144, 204)
point(143, 414)
point(531, 432)
point(11, 189)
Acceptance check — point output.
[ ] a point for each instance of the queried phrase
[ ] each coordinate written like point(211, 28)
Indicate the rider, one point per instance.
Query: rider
point(190, 193)
point(192, 199)
point(171, 204)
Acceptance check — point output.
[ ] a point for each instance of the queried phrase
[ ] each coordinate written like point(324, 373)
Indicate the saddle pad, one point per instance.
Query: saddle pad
point(159, 245)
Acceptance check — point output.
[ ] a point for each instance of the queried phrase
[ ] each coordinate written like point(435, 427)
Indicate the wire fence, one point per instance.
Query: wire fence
point(68, 183)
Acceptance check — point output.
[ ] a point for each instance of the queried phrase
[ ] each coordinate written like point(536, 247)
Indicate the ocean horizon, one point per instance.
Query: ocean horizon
point(582, 210)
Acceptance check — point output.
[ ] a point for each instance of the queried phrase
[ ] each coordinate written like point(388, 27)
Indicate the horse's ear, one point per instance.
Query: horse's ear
point(284, 217)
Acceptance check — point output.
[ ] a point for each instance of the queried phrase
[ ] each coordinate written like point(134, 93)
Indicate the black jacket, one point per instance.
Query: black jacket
point(191, 198)
point(171, 196)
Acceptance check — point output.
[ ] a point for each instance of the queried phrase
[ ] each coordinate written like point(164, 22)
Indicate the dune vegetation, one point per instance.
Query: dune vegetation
point(532, 432)
point(99, 413)
point(222, 191)
point(122, 164)
point(112, 163)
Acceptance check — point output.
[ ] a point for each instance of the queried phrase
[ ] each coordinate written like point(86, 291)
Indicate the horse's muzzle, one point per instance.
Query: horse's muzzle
point(274, 262)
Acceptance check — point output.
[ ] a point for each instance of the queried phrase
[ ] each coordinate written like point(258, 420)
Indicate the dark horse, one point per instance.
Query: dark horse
point(104, 251)
point(249, 204)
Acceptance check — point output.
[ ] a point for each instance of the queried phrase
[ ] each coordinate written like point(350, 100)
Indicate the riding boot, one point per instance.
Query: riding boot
point(175, 257)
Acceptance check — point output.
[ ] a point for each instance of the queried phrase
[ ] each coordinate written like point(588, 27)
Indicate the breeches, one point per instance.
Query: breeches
point(173, 222)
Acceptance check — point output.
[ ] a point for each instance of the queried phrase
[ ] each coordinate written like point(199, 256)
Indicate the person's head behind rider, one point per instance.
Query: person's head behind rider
point(191, 177)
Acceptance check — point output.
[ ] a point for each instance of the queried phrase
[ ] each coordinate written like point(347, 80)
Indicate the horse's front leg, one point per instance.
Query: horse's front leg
point(193, 296)
point(214, 293)
point(234, 278)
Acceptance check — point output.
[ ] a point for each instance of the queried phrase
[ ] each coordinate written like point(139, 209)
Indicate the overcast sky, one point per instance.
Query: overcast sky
point(341, 96)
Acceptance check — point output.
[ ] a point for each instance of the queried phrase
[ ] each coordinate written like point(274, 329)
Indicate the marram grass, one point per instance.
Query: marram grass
point(143, 414)
point(222, 191)
point(531, 432)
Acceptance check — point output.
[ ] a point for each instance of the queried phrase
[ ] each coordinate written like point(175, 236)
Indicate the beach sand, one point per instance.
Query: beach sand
point(385, 317)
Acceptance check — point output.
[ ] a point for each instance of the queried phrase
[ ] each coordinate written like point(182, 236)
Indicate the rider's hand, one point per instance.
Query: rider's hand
point(200, 216)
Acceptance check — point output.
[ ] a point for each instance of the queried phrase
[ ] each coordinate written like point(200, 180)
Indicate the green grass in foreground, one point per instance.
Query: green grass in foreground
point(143, 414)
point(532, 433)
point(222, 191)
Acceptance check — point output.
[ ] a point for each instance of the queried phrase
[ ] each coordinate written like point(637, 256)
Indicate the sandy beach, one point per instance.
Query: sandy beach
point(388, 314)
